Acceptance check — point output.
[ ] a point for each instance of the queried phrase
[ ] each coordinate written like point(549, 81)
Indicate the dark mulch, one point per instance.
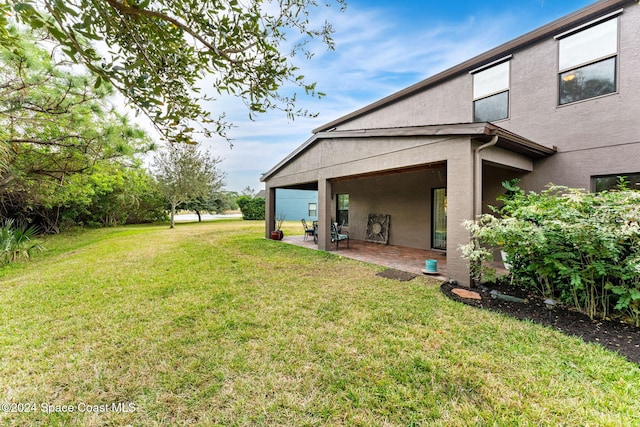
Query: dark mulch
point(617, 336)
point(391, 273)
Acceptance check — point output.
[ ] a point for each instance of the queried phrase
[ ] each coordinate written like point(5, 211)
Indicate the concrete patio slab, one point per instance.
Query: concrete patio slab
point(411, 260)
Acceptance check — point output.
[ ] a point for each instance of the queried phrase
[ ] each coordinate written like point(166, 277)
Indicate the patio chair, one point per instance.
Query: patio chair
point(336, 236)
point(308, 231)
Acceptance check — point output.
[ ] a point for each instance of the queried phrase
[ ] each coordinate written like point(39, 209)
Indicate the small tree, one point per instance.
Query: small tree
point(184, 175)
point(248, 191)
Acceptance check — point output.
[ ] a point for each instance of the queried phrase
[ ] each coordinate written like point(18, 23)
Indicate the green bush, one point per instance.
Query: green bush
point(579, 247)
point(252, 208)
point(17, 241)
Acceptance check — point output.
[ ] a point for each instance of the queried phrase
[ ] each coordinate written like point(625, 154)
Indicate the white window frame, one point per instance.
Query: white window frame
point(314, 210)
point(492, 90)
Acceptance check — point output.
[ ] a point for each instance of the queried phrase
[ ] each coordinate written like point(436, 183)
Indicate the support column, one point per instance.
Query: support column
point(460, 206)
point(270, 211)
point(324, 214)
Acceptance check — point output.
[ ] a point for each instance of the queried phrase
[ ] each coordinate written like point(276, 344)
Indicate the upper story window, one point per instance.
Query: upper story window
point(588, 62)
point(491, 93)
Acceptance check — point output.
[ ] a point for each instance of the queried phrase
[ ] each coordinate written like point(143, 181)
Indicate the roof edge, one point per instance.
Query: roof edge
point(482, 129)
point(288, 158)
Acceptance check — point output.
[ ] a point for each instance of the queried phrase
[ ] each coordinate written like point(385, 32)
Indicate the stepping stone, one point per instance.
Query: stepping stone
point(463, 293)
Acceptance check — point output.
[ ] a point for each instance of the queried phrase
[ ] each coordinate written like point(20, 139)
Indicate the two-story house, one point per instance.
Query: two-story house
point(560, 104)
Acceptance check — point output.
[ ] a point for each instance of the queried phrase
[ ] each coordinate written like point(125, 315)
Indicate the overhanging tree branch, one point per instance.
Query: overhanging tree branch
point(157, 52)
point(128, 10)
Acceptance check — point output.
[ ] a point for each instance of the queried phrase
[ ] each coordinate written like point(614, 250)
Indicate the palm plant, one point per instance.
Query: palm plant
point(17, 241)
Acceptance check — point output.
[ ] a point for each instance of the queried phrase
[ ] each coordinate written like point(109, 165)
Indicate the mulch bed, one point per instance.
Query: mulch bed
point(617, 336)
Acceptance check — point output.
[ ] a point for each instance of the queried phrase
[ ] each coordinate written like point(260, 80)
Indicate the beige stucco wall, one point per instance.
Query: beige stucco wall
point(343, 157)
point(575, 168)
point(405, 196)
point(443, 104)
point(581, 125)
point(492, 178)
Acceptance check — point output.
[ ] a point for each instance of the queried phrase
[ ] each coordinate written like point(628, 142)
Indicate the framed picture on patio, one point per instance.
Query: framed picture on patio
point(378, 228)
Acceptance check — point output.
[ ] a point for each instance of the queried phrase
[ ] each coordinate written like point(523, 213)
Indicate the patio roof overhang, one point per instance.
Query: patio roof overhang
point(482, 132)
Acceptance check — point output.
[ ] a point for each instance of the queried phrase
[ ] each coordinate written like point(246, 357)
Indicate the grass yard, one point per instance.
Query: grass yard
point(211, 324)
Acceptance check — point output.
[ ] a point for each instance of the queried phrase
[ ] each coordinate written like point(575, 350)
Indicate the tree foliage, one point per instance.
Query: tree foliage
point(117, 195)
point(186, 175)
point(253, 208)
point(66, 147)
point(157, 52)
point(580, 247)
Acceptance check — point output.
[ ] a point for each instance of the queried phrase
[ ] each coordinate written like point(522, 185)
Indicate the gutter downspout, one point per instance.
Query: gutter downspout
point(477, 181)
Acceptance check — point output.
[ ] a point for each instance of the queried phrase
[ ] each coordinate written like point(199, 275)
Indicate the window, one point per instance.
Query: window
point(313, 209)
point(491, 93)
point(342, 213)
point(610, 182)
point(587, 62)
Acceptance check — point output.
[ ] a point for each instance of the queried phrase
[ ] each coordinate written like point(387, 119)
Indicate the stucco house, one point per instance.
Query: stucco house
point(560, 104)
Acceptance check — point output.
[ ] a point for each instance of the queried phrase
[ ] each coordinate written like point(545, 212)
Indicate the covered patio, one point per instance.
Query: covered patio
point(411, 260)
point(425, 180)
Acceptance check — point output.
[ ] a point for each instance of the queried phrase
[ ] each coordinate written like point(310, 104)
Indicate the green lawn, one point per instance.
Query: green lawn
point(211, 324)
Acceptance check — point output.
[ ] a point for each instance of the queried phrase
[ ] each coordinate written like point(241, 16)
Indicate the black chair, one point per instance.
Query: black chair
point(308, 231)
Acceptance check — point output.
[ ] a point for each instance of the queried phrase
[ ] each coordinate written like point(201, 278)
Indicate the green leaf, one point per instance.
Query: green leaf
point(23, 7)
point(61, 6)
point(56, 32)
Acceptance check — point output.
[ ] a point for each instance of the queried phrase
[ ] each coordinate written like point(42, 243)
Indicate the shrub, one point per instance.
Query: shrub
point(252, 208)
point(566, 243)
point(17, 241)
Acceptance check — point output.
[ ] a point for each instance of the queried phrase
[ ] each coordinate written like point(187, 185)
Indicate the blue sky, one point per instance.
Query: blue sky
point(381, 47)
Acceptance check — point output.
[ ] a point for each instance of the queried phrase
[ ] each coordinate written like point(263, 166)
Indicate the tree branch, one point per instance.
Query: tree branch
point(128, 10)
point(49, 142)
